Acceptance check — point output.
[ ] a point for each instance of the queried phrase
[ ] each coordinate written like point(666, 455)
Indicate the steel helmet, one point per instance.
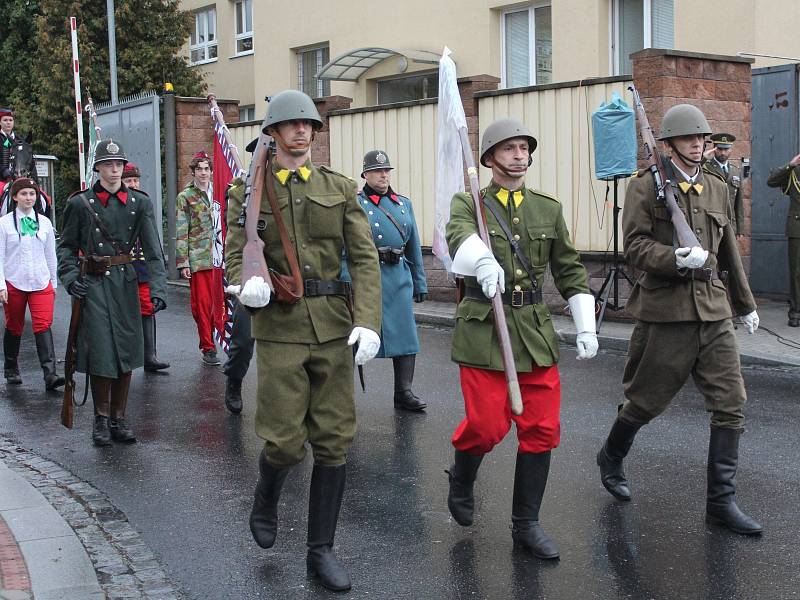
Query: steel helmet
point(683, 119)
point(502, 130)
point(291, 105)
point(109, 150)
point(375, 159)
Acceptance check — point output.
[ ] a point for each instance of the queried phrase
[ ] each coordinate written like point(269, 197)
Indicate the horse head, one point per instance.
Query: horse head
point(22, 162)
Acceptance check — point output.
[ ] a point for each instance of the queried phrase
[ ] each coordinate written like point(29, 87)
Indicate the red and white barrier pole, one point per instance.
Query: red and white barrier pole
point(73, 25)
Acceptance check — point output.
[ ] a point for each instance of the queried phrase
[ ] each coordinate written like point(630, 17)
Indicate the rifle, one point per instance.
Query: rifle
point(67, 406)
point(664, 189)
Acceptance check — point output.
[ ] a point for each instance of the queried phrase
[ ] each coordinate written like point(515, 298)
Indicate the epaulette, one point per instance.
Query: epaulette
point(327, 169)
point(544, 195)
point(142, 192)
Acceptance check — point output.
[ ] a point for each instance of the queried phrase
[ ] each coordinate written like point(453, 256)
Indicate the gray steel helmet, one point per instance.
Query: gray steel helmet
point(502, 130)
point(375, 159)
point(109, 150)
point(683, 119)
point(291, 105)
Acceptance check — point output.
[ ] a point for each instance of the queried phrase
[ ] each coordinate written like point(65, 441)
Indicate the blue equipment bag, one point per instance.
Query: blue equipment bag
point(614, 130)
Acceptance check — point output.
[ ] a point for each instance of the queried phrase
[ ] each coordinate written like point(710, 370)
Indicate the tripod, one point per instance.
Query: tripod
point(612, 277)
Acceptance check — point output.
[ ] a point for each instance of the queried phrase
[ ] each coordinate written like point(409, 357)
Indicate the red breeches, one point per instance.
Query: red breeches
point(489, 417)
point(207, 299)
point(41, 307)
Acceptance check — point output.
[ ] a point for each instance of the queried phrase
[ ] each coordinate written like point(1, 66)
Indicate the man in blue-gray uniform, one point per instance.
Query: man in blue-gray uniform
point(395, 234)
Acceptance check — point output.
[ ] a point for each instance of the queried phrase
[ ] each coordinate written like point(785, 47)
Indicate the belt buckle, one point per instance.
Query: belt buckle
point(310, 286)
point(707, 274)
point(517, 299)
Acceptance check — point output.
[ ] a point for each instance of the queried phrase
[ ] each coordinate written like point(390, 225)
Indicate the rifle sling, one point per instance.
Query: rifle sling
point(288, 247)
point(514, 244)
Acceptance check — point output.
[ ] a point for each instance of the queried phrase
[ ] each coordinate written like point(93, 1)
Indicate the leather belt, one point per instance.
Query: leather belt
point(707, 274)
point(318, 287)
point(390, 256)
point(514, 298)
point(97, 265)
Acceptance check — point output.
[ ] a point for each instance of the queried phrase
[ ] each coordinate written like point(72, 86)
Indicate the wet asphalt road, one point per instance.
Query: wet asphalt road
point(187, 487)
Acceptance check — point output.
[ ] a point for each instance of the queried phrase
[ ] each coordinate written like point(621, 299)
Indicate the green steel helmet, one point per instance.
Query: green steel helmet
point(291, 105)
point(375, 159)
point(502, 130)
point(109, 150)
point(683, 119)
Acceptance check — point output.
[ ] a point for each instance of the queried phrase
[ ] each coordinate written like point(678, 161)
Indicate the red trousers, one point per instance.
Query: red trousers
point(145, 303)
point(207, 299)
point(41, 306)
point(488, 413)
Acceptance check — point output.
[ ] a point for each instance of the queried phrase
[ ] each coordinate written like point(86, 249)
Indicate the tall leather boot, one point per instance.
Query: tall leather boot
point(264, 516)
point(120, 430)
point(233, 395)
point(723, 458)
point(609, 458)
point(530, 480)
point(101, 398)
point(462, 474)
point(10, 354)
point(325, 500)
point(151, 362)
point(404, 398)
point(47, 358)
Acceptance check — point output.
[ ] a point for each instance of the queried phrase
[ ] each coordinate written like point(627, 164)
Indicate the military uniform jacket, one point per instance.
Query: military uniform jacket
point(323, 218)
point(110, 339)
point(194, 230)
point(733, 180)
point(787, 178)
point(399, 282)
point(543, 236)
point(662, 293)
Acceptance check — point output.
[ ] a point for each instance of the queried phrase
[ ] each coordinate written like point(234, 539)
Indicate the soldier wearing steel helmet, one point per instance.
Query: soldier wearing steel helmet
point(100, 227)
point(305, 364)
point(532, 222)
point(683, 317)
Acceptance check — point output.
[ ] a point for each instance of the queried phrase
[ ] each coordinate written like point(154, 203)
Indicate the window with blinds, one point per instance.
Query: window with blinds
point(527, 46)
point(641, 24)
point(309, 62)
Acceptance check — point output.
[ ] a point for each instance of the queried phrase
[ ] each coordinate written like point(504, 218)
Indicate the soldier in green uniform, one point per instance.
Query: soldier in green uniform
point(100, 227)
point(305, 365)
point(528, 235)
point(787, 178)
point(683, 316)
point(715, 162)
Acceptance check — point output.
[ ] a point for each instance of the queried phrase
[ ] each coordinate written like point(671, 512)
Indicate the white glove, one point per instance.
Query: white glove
point(581, 306)
point(690, 258)
point(751, 321)
point(255, 293)
point(369, 343)
point(490, 275)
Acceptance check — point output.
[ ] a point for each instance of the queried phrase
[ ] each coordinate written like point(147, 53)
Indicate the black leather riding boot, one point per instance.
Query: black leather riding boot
point(462, 474)
point(151, 362)
point(11, 345)
point(47, 358)
point(233, 395)
point(530, 480)
point(609, 459)
point(120, 430)
point(723, 459)
point(404, 398)
point(325, 500)
point(264, 516)
point(101, 398)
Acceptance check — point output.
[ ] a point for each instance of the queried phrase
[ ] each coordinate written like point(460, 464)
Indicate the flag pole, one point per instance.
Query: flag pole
point(216, 114)
point(73, 25)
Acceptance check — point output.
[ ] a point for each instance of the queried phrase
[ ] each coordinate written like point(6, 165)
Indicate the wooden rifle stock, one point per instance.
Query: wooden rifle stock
point(500, 325)
point(68, 403)
point(253, 262)
point(664, 191)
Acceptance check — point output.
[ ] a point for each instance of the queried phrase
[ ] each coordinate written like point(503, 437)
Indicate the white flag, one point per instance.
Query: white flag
point(449, 158)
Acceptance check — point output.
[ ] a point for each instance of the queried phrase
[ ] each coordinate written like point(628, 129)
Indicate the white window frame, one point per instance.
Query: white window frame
point(244, 33)
point(531, 10)
point(204, 46)
point(249, 108)
point(320, 82)
point(614, 33)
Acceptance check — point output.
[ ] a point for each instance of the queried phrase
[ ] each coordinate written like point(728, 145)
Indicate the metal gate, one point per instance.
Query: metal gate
point(775, 142)
point(136, 123)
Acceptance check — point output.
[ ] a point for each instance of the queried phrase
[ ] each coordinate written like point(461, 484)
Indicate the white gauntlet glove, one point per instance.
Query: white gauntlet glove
point(368, 341)
point(690, 258)
point(255, 294)
point(581, 306)
point(490, 275)
point(751, 321)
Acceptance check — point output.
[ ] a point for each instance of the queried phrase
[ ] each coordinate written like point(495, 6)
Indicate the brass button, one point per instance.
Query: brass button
point(694, 210)
point(302, 245)
point(492, 232)
point(516, 236)
point(515, 220)
point(518, 272)
point(697, 292)
point(544, 235)
point(298, 200)
point(306, 268)
point(517, 288)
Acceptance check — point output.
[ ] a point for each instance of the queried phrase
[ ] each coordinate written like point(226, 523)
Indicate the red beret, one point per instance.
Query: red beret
point(131, 170)
point(6, 112)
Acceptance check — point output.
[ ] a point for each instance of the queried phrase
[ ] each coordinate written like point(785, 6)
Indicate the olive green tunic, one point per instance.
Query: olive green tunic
point(787, 178)
point(733, 180)
point(543, 236)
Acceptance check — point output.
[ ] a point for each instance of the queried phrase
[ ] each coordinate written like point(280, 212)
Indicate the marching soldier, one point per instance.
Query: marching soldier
point(528, 233)
point(100, 227)
point(305, 377)
point(715, 161)
point(787, 178)
point(131, 178)
point(7, 137)
point(395, 234)
point(683, 316)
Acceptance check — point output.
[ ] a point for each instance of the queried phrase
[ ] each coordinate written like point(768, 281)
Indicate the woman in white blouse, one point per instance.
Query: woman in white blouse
point(28, 278)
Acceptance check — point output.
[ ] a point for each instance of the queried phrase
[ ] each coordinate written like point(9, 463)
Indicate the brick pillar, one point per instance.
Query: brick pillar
point(720, 86)
point(195, 130)
point(467, 88)
point(321, 148)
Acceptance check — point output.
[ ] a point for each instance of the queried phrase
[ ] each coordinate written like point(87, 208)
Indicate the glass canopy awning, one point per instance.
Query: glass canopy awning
point(351, 65)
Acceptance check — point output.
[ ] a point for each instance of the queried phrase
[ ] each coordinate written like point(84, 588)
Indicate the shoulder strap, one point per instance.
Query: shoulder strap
point(389, 215)
point(101, 226)
point(514, 244)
